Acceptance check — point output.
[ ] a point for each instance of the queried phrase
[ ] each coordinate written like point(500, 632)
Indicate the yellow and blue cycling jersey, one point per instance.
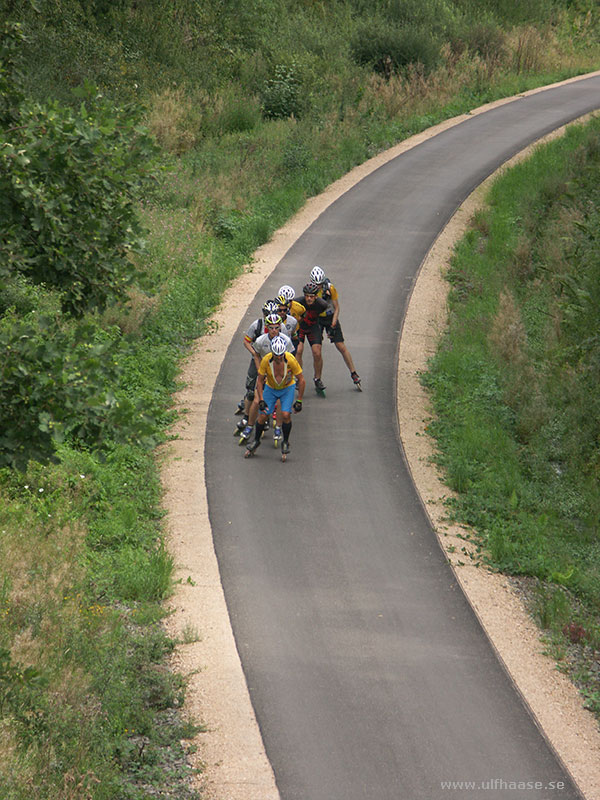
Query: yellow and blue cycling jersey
point(291, 368)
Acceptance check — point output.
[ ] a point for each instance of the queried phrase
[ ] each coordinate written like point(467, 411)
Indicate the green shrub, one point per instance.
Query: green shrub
point(296, 154)
point(281, 93)
point(11, 78)
point(67, 185)
point(20, 297)
point(511, 13)
point(56, 383)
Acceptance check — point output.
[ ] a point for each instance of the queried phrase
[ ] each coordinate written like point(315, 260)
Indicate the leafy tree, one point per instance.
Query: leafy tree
point(10, 76)
point(68, 183)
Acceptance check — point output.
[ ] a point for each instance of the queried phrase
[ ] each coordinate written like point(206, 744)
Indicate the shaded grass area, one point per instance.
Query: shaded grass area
point(514, 388)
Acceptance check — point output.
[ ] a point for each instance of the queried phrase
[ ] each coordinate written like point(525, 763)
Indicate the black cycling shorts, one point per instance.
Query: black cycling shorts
point(335, 334)
point(251, 377)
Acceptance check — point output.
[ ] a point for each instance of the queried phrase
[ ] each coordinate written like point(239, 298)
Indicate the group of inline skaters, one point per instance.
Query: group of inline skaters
point(275, 382)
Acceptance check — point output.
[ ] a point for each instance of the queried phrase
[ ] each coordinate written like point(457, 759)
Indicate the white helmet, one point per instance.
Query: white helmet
point(270, 307)
point(317, 275)
point(287, 292)
point(278, 346)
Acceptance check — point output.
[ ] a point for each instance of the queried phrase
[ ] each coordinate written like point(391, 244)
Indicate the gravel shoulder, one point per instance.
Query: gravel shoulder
point(230, 751)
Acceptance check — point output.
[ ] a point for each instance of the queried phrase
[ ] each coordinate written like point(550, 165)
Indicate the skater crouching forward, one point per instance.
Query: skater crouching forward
point(278, 375)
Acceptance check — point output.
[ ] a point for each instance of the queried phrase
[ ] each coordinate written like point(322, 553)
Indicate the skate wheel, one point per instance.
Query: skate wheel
point(248, 454)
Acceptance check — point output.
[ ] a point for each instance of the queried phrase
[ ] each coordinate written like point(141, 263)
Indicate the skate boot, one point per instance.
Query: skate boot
point(245, 434)
point(240, 408)
point(356, 378)
point(277, 435)
point(251, 448)
point(285, 449)
point(319, 387)
point(239, 426)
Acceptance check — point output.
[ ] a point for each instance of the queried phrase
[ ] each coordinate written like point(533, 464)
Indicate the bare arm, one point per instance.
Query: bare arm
point(249, 348)
point(336, 312)
point(301, 383)
point(257, 358)
point(260, 385)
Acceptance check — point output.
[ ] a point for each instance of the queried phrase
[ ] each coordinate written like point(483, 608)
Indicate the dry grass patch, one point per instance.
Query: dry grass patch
point(130, 317)
point(171, 121)
point(529, 50)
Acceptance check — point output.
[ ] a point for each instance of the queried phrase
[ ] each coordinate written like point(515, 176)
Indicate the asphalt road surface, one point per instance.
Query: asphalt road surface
point(368, 671)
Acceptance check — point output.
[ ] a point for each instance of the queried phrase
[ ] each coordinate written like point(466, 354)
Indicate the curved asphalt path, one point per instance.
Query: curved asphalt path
point(368, 671)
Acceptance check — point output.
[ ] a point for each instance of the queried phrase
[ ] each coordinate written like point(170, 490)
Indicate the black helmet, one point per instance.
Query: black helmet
point(310, 288)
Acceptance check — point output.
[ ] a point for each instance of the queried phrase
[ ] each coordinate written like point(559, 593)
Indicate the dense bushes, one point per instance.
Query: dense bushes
point(68, 225)
point(203, 48)
point(59, 381)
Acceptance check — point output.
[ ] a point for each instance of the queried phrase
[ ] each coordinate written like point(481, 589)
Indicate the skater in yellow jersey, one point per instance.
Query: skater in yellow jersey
point(279, 374)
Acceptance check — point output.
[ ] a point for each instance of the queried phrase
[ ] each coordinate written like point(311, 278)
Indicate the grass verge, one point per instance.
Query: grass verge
point(513, 386)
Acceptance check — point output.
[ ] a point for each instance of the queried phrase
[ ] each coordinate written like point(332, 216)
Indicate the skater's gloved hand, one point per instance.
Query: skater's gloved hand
point(298, 406)
point(262, 405)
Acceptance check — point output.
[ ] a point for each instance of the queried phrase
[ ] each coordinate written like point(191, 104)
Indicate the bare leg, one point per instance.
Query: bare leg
point(253, 411)
point(317, 360)
point(341, 346)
